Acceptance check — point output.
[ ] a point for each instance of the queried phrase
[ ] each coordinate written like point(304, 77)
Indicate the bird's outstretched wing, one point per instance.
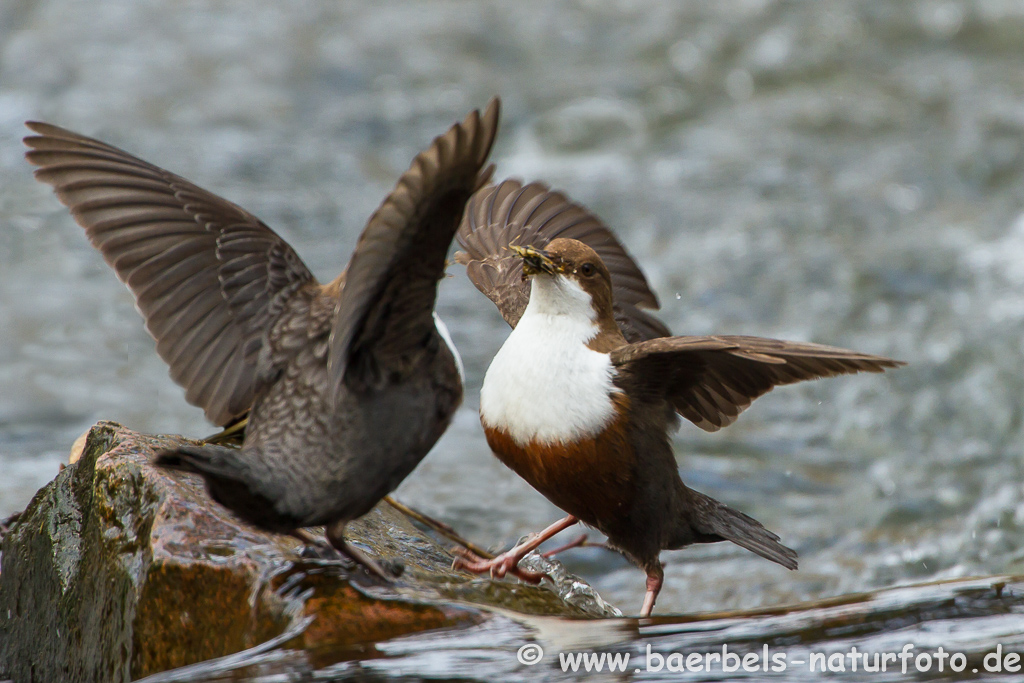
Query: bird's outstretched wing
point(511, 213)
point(206, 274)
point(386, 310)
point(711, 380)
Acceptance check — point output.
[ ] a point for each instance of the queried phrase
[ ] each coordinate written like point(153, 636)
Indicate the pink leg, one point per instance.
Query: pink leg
point(508, 562)
point(654, 580)
point(579, 542)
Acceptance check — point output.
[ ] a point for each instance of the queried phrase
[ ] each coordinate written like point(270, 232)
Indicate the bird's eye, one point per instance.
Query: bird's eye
point(587, 269)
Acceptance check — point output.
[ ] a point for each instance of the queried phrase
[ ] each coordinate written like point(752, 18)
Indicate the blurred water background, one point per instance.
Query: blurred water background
point(841, 172)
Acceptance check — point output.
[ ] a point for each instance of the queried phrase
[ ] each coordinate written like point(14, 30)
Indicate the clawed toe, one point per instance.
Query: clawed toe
point(498, 567)
point(383, 569)
point(318, 552)
point(529, 576)
point(312, 549)
point(468, 560)
point(508, 562)
point(362, 559)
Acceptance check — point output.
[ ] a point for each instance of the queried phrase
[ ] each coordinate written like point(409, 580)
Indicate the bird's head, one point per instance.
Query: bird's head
point(571, 272)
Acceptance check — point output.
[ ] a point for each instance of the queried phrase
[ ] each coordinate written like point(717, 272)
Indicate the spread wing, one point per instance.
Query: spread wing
point(386, 310)
point(711, 380)
point(206, 274)
point(532, 215)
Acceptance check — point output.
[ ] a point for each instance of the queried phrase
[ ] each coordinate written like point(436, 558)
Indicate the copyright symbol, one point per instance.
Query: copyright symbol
point(530, 654)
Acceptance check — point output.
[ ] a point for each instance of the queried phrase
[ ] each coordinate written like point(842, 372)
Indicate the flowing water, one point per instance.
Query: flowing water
point(848, 173)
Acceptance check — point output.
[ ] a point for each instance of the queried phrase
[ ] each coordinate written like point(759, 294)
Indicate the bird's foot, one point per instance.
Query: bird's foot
point(318, 551)
point(498, 567)
point(360, 558)
point(508, 562)
point(313, 549)
point(336, 537)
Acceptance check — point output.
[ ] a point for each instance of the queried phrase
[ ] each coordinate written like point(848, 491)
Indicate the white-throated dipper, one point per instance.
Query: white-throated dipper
point(347, 384)
point(583, 413)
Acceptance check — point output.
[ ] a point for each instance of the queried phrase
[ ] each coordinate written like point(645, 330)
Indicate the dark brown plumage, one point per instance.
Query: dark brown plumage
point(511, 213)
point(347, 384)
point(584, 415)
point(711, 380)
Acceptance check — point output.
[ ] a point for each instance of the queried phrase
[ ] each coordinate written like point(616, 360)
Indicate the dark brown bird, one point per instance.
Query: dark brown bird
point(349, 383)
point(581, 398)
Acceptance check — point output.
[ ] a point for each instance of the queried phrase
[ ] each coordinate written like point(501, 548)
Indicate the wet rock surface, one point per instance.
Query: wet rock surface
point(118, 570)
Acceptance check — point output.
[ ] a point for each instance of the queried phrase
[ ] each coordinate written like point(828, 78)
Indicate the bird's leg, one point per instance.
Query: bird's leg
point(303, 536)
point(336, 535)
point(655, 577)
point(508, 562)
point(313, 548)
point(579, 541)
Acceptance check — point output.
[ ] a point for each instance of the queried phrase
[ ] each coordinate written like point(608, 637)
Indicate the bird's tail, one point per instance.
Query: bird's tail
point(716, 519)
point(253, 496)
point(208, 460)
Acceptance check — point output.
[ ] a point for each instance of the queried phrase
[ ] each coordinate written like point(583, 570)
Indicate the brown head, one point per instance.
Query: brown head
point(577, 264)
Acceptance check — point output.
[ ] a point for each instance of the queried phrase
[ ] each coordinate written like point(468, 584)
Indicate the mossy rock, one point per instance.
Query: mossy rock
point(117, 570)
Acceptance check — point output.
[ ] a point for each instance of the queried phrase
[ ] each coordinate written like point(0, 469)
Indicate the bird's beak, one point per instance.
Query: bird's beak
point(536, 261)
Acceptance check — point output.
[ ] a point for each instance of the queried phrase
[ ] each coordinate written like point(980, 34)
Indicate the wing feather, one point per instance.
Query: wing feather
point(205, 273)
point(511, 213)
point(386, 309)
point(711, 380)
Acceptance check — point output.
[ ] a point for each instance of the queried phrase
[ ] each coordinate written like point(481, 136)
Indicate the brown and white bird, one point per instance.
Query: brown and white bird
point(581, 398)
point(347, 385)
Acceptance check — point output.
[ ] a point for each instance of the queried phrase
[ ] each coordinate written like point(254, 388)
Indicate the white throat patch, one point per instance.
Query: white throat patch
point(545, 384)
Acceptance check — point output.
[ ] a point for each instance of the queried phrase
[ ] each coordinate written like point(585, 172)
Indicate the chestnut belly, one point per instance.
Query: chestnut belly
point(590, 478)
